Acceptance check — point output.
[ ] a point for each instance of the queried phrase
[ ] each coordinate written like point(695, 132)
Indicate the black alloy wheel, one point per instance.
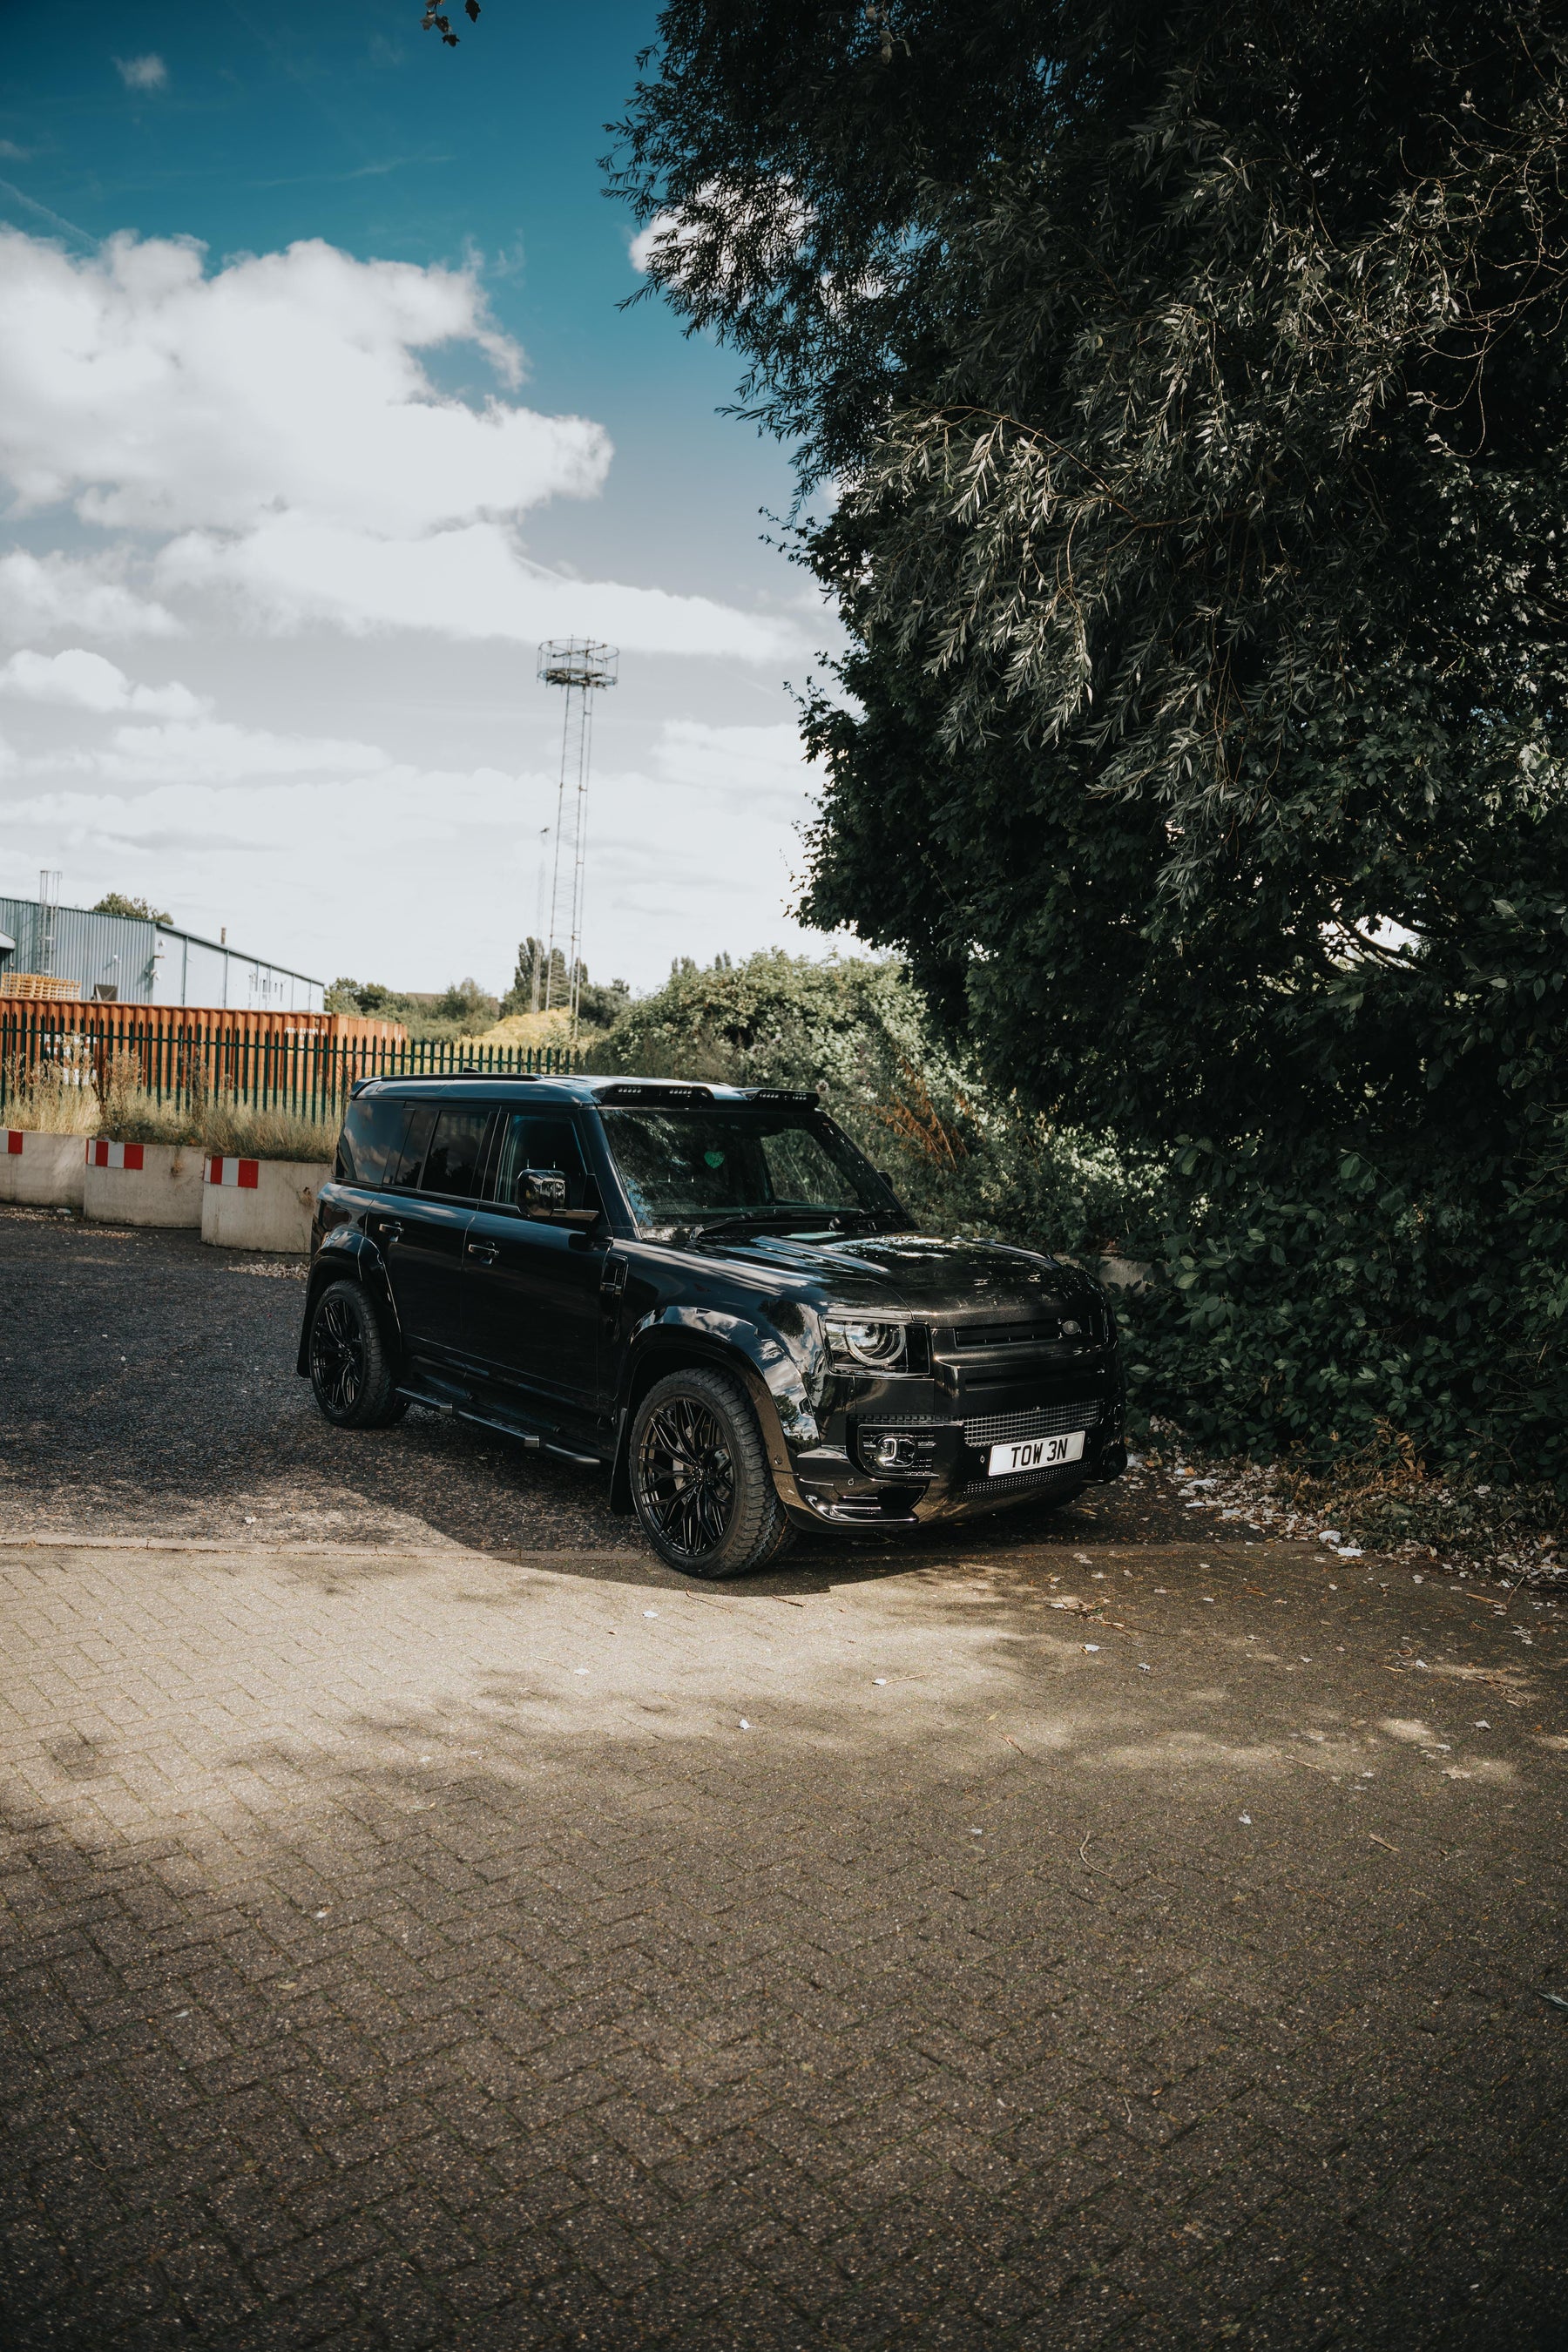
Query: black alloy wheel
point(699, 1476)
point(352, 1374)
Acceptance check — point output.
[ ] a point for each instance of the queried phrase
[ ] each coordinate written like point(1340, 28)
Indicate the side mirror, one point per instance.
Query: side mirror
point(539, 1191)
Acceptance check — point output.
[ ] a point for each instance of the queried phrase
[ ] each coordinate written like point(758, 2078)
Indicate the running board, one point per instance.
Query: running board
point(531, 1438)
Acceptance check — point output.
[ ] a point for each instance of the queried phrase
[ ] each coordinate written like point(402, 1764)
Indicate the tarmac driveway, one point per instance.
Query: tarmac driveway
point(1082, 1941)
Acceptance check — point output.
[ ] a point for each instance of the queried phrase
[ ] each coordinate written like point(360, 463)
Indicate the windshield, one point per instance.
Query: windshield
point(683, 1170)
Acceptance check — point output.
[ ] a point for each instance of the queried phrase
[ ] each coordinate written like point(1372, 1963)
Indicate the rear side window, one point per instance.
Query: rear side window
point(411, 1158)
point(456, 1157)
point(371, 1140)
point(534, 1140)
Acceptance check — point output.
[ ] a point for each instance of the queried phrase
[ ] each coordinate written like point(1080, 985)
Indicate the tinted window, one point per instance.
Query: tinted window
point(535, 1140)
point(371, 1140)
point(411, 1158)
point(456, 1157)
point(682, 1166)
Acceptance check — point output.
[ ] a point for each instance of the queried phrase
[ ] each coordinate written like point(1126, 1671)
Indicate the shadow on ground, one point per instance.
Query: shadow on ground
point(147, 1387)
point(466, 1956)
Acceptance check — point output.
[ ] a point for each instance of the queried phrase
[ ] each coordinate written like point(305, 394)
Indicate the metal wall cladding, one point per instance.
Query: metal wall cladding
point(93, 950)
point(149, 963)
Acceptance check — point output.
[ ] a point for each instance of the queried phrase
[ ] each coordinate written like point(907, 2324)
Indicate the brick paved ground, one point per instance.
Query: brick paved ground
point(375, 1975)
point(405, 1944)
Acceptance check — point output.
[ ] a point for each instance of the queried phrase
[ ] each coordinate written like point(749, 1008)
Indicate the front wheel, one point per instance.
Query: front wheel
point(699, 1478)
point(352, 1374)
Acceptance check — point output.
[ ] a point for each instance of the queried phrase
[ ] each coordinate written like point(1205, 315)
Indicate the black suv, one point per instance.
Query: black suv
point(708, 1289)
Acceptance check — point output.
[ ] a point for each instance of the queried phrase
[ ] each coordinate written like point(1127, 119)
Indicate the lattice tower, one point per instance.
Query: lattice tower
point(582, 668)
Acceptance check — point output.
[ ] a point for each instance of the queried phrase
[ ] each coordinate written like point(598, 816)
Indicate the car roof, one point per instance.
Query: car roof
point(650, 1093)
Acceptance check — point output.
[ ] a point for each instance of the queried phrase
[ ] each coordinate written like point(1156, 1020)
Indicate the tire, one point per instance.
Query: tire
point(352, 1371)
point(728, 1518)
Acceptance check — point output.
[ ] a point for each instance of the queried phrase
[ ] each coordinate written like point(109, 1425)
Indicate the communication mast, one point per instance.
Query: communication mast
point(48, 907)
point(583, 668)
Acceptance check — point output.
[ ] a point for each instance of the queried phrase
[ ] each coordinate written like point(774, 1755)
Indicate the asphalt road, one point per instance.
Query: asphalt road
point(1070, 1940)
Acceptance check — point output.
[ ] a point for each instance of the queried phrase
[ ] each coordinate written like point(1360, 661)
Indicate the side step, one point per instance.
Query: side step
point(532, 1439)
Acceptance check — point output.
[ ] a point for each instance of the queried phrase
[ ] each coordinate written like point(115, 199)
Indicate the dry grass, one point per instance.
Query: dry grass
point(71, 1096)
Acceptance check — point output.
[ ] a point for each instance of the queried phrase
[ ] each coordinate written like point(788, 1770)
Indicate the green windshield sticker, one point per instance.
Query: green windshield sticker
point(714, 1159)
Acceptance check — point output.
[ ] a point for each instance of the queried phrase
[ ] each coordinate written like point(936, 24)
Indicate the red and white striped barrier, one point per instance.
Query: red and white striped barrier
point(260, 1204)
point(101, 1153)
point(142, 1183)
point(46, 1171)
point(245, 1173)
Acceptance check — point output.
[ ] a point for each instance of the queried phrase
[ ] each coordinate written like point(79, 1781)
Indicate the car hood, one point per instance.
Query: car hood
point(919, 1271)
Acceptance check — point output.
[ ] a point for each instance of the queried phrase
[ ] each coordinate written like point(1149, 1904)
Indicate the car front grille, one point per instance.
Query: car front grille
point(1042, 1421)
point(1007, 1335)
point(1069, 1474)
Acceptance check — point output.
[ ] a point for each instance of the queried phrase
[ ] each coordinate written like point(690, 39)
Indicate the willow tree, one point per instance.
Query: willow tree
point(1192, 383)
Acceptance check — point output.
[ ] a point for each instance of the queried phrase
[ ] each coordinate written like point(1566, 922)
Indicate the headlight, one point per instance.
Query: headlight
point(853, 1341)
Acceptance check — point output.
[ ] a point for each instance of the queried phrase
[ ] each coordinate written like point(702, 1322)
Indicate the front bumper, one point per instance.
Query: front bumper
point(941, 1470)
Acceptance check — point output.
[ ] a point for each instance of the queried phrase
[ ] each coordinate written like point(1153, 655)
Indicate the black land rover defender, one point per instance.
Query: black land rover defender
point(710, 1291)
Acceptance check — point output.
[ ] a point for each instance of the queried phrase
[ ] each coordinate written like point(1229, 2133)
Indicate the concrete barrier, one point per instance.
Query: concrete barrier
point(261, 1205)
point(142, 1183)
point(45, 1171)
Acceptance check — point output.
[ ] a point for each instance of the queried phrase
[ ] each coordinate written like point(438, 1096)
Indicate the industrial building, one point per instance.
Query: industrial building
point(127, 960)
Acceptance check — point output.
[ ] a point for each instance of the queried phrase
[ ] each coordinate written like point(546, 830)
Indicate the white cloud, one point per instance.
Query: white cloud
point(275, 423)
point(209, 752)
point(39, 594)
point(86, 681)
point(472, 581)
point(662, 226)
point(143, 73)
point(694, 851)
point(761, 766)
point(158, 397)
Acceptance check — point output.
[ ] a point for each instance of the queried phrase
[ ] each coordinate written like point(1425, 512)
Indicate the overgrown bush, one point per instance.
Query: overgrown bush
point(961, 1157)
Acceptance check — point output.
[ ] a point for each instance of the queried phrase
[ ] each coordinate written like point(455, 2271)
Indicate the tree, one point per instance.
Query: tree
point(1194, 380)
point(541, 971)
point(115, 902)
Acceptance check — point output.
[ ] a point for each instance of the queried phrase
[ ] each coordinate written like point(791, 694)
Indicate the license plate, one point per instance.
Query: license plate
point(1036, 1454)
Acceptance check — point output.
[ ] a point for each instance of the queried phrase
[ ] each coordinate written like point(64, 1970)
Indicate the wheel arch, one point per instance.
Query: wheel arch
point(353, 1259)
point(674, 1347)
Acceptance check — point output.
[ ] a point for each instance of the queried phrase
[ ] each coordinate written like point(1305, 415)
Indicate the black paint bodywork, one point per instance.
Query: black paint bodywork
point(553, 1334)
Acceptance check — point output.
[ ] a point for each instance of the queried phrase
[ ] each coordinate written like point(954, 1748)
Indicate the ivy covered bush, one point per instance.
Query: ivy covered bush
point(961, 1156)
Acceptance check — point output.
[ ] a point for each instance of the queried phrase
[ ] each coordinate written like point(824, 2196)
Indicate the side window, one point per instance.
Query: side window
point(534, 1140)
point(411, 1158)
point(371, 1140)
point(456, 1159)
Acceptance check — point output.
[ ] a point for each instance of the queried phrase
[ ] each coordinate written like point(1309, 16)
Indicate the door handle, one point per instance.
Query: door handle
point(389, 1230)
point(486, 1251)
point(613, 1281)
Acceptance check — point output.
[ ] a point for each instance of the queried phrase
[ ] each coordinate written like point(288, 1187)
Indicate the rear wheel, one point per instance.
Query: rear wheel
point(699, 1478)
point(351, 1373)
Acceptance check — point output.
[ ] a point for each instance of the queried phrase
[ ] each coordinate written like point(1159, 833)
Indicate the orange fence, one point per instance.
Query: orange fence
point(301, 1062)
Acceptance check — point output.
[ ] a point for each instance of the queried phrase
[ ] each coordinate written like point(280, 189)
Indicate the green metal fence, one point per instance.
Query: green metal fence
point(308, 1075)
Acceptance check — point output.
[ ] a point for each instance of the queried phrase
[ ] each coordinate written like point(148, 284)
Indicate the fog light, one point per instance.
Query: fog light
point(895, 1454)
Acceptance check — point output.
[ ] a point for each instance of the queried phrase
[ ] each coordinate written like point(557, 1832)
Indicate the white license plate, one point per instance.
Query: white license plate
point(1036, 1454)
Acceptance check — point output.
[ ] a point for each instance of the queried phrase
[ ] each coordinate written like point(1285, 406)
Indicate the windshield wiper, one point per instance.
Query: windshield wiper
point(787, 1219)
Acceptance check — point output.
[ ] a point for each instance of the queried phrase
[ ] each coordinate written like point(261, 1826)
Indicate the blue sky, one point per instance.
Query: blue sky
point(283, 516)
